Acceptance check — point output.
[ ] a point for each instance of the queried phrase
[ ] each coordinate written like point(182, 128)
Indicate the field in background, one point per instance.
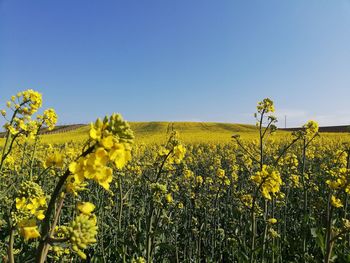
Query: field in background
point(190, 132)
point(158, 132)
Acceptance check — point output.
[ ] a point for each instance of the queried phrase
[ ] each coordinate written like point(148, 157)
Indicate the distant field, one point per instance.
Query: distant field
point(190, 132)
point(333, 129)
point(158, 132)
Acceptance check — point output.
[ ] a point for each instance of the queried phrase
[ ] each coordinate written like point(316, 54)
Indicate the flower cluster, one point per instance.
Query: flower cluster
point(220, 173)
point(339, 179)
point(266, 106)
point(336, 202)
point(93, 167)
point(30, 207)
point(115, 126)
point(290, 169)
point(111, 140)
point(265, 109)
point(174, 155)
point(54, 159)
point(311, 128)
point(82, 232)
point(22, 125)
point(269, 181)
point(247, 200)
point(25, 102)
point(24, 105)
point(49, 118)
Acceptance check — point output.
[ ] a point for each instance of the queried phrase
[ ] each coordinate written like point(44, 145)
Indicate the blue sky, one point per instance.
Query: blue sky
point(179, 60)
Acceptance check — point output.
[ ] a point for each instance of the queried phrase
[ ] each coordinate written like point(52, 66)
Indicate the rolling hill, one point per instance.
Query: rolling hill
point(158, 132)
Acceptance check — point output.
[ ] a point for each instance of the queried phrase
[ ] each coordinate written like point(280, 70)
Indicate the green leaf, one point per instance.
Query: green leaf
point(318, 234)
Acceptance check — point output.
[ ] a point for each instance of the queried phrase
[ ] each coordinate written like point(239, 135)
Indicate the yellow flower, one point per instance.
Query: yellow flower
point(99, 158)
point(20, 203)
point(266, 105)
point(93, 167)
point(50, 118)
point(96, 130)
point(104, 177)
point(40, 214)
point(295, 179)
point(54, 159)
point(247, 200)
point(179, 153)
point(120, 155)
point(75, 183)
point(188, 174)
point(220, 173)
point(272, 221)
point(86, 208)
point(12, 130)
point(139, 260)
point(169, 198)
point(107, 142)
point(269, 181)
point(199, 180)
point(273, 233)
point(336, 202)
point(95, 134)
point(163, 151)
point(28, 229)
point(30, 205)
point(30, 232)
point(311, 128)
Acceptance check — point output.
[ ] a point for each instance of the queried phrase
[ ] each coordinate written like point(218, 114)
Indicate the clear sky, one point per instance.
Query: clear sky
point(179, 60)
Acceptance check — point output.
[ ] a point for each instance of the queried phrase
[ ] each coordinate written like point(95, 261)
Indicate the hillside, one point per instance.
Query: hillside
point(158, 132)
point(149, 132)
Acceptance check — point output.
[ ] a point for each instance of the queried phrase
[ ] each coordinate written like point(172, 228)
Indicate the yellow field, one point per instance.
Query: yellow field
point(158, 132)
point(139, 192)
point(189, 132)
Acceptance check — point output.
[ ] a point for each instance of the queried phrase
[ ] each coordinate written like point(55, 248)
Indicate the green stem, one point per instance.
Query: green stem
point(329, 242)
point(304, 225)
point(149, 234)
point(41, 257)
point(52, 231)
point(11, 257)
point(265, 232)
point(33, 155)
point(252, 247)
point(120, 203)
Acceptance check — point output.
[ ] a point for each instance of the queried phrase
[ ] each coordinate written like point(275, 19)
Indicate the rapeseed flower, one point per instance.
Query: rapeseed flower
point(336, 202)
point(269, 181)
